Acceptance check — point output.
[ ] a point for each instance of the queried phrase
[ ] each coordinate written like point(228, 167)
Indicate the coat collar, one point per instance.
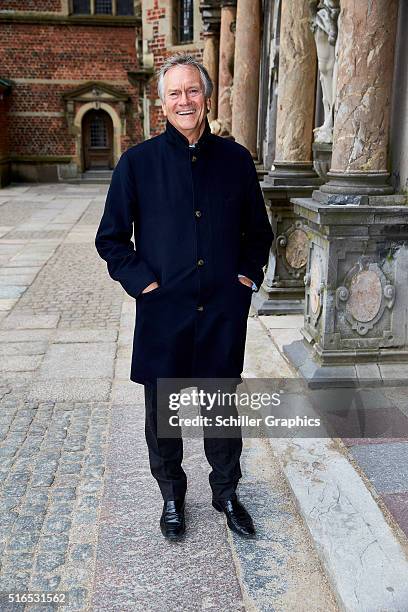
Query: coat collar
point(177, 138)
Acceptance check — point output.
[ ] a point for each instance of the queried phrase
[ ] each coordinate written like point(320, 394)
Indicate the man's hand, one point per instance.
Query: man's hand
point(150, 287)
point(245, 281)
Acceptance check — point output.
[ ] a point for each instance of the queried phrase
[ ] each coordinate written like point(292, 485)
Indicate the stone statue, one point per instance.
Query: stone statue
point(324, 16)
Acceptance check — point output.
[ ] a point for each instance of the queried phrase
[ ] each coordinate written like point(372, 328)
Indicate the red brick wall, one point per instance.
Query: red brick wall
point(67, 52)
point(157, 46)
point(57, 52)
point(31, 5)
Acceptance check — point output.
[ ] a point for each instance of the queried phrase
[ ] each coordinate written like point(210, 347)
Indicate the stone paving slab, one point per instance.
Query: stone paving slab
point(19, 321)
point(71, 389)
point(19, 281)
point(75, 361)
point(20, 363)
point(4, 229)
point(291, 321)
point(397, 504)
point(11, 291)
point(125, 391)
point(386, 465)
point(266, 361)
point(7, 304)
point(30, 271)
point(85, 335)
point(23, 348)
point(25, 335)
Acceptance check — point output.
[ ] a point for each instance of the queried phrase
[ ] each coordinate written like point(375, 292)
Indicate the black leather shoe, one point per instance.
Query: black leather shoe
point(238, 519)
point(172, 521)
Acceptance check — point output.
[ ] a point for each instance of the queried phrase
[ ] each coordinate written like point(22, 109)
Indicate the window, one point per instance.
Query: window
point(103, 7)
point(183, 22)
point(99, 136)
point(124, 7)
point(81, 7)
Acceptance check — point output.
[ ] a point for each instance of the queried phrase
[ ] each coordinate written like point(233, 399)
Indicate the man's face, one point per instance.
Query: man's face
point(184, 103)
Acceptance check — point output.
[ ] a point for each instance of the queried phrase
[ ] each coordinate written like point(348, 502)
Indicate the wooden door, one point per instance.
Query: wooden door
point(97, 131)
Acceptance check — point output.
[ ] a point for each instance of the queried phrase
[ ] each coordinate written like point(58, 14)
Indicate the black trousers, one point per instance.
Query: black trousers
point(166, 454)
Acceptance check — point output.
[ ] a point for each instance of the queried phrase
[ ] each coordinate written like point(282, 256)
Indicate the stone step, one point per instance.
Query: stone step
point(92, 177)
point(90, 174)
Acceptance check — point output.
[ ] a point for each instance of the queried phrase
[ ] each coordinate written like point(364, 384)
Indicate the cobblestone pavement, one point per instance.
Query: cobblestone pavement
point(78, 508)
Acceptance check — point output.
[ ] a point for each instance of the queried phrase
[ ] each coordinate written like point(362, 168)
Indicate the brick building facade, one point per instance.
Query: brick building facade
point(82, 81)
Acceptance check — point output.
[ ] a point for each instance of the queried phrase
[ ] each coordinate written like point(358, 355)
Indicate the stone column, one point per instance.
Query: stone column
point(211, 15)
point(246, 74)
point(226, 67)
point(296, 94)
point(293, 173)
point(362, 111)
point(357, 270)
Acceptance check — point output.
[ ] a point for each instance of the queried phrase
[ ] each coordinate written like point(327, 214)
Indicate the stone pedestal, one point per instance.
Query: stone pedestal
point(282, 291)
point(356, 281)
point(246, 74)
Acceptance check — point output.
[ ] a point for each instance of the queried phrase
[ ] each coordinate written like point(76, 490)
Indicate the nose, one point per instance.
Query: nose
point(184, 98)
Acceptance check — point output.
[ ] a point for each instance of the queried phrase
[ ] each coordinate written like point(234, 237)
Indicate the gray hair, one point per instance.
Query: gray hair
point(183, 59)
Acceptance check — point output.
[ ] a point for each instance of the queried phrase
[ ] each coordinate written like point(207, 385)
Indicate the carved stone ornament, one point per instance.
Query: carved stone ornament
point(314, 287)
point(365, 295)
point(292, 246)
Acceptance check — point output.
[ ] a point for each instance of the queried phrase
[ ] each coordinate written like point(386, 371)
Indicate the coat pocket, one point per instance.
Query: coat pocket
point(150, 294)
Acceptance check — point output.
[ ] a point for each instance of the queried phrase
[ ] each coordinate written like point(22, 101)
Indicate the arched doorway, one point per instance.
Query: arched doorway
point(97, 139)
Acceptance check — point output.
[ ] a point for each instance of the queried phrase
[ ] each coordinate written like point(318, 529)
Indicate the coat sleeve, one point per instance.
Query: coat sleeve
point(113, 238)
point(256, 235)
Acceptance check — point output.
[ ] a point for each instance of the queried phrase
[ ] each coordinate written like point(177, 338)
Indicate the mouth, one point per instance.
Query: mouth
point(184, 113)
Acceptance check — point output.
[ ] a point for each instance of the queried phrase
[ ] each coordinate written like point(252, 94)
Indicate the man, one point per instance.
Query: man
point(202, 237)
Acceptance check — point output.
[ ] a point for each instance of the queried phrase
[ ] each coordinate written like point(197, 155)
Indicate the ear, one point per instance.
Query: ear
point(208, 102)
point(164, 109)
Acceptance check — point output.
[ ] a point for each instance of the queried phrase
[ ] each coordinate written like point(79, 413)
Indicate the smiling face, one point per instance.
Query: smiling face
point(184, 103)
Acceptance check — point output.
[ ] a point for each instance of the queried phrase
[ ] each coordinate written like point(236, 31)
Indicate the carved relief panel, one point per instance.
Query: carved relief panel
point(364, 296)
point(292, 250)
point(314, 280)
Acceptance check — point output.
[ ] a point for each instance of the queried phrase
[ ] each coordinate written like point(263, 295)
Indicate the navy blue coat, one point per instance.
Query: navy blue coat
point(199, 220)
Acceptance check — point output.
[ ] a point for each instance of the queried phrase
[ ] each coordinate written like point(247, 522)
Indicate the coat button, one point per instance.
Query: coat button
point(198, 213)
point(200, 262)
point(200, 308)
point(194, 158)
